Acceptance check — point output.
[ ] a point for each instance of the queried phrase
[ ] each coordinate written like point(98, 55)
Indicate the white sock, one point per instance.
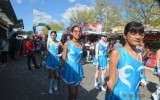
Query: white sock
point(50, 85)
point(55, 85)
point(102, 85)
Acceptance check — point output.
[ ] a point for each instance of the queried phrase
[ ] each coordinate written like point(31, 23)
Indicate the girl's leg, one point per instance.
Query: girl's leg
point(50, 80)
point(55, 80)
point(76, 91)
point(71, 90)
point(96, 78)
point(102, 79)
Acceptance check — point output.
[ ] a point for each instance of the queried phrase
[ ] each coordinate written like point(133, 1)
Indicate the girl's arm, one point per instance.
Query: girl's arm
point(65, 47)
point(143, 77)
point(96, 53)
point(61, 45)
point(96, 50)
point(47, 46)
point(113, 69)
point(144, 52)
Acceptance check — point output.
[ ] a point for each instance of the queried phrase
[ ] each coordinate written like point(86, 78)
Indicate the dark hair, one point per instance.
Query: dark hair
point(53, 32)
point(134, 27)
point(75, 27)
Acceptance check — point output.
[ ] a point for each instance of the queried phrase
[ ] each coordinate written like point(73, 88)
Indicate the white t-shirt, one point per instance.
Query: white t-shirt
point(117, 45)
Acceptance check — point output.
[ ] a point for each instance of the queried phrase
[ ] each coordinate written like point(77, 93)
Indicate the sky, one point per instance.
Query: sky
point(47, 11)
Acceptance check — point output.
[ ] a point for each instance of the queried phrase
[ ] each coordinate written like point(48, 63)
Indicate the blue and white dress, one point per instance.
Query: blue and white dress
point(52, 61)
point(129, 76)
point(72, 73)
point(102, 56)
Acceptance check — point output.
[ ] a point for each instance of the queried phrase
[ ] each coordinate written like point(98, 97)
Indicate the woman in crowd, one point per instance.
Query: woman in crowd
point(156, 94)
point(126, 66)
point(52, 59)
point(4, 50)
point(30, 48)
point(43, 44)
point(101, 52)
point(72, 72)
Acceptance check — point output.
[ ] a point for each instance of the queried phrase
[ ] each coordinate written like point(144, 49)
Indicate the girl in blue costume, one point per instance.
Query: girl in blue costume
point(156, 94)
point(126, 71)
point(72, 72)
point(101, 52)
point(52, 59)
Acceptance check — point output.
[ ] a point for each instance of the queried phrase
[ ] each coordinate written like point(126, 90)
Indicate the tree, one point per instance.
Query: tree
point(108, 13)
point(103, 12)
point(82, 15)
point(145, 11)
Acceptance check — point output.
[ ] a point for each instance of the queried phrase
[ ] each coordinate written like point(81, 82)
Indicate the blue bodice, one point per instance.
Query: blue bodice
point(129, 71)
point(73, 53)
point(53, 48)
point(102, 50)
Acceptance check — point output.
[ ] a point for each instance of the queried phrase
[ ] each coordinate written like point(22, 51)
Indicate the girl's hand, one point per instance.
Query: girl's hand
point(143, 81)
point(81, 62)
point(57, 55)
point(159, 73)
point(143, 84)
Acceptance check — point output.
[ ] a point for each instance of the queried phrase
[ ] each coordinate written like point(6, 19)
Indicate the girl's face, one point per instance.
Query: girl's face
point(68, 38)
point(76, 33)
point(103, 38)
point(53, 36)
point(134, 39)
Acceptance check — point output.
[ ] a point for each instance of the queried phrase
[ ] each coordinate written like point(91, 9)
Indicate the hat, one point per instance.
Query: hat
point(117, 40)
point(103, 34)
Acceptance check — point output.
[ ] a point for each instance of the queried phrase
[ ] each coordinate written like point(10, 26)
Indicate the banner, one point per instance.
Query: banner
point(95, 27)
point(59, 35)
point(87, 27)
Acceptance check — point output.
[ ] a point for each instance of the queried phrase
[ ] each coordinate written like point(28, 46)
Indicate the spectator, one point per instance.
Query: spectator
point(43, 49)
point(117, 45)
point(30, 47)
point(5, 48)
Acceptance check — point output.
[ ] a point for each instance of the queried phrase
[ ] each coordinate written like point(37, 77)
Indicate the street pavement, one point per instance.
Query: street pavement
point(19, 83)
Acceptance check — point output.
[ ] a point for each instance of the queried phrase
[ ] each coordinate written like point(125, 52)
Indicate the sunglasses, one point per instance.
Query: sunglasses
point(77, 31)
point(104, 36)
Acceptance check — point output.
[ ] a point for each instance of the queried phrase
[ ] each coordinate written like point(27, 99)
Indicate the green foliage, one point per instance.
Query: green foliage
point(145, 11)
point(57, 27)
point(82, 15)
point(103, 12)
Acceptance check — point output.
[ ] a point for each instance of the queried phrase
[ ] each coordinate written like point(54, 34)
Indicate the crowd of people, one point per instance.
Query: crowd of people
point(64, 60)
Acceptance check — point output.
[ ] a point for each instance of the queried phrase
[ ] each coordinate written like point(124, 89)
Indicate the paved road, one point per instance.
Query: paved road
point(18, 83)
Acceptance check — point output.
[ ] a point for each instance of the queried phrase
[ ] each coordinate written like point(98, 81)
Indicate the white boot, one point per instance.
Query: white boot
point(102, 85)
point(96, 83)
point(50, 86)
point(55, 85)
point(156, 95)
